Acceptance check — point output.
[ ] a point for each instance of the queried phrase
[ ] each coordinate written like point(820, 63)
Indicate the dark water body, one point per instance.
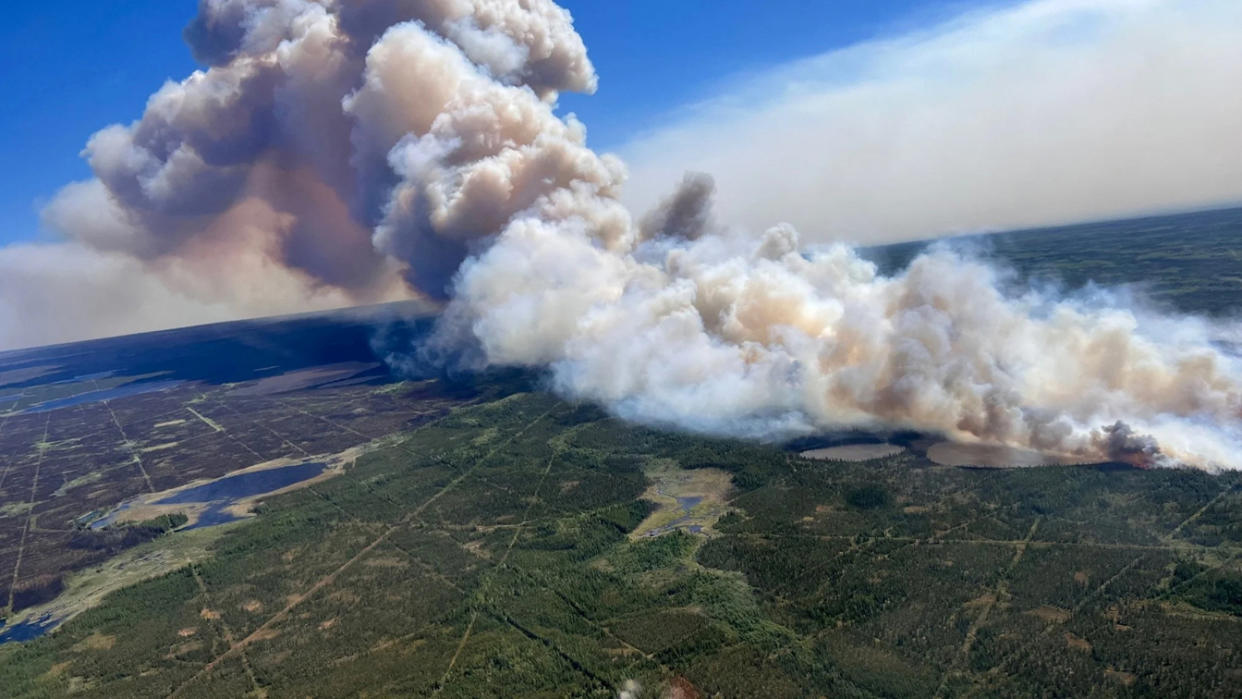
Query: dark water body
point(231, 488)
point(215, 514)
point(110, 518)
point(223, 493)
point(27, 630)
point(689, 503)
point(123, 391)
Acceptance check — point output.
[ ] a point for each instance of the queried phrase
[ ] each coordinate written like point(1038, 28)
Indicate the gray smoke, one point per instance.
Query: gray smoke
point(1121, 443)
point(348, 151)
point(684, 214)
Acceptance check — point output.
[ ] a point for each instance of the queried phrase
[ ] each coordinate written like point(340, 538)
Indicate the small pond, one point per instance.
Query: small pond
point(27, 630)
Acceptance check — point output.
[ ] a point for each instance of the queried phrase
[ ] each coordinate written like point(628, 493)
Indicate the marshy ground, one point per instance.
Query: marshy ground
point(501, 549)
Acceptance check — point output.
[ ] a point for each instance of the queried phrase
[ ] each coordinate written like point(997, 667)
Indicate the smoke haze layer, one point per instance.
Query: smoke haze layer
point(341, 152)
point(1010, 115)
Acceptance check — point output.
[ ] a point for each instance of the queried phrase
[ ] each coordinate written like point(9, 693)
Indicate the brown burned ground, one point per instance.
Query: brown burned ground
point(490, 553)
point(59, 466)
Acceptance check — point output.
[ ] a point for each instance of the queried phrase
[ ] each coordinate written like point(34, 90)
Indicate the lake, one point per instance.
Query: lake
point(244, 485)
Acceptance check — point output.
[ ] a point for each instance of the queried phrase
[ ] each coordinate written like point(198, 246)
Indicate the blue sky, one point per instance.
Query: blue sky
point(70, 67)
point(653, 55)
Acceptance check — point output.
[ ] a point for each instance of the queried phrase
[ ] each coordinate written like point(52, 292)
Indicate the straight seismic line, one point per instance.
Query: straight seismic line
point(34, 487)
point(331, 577)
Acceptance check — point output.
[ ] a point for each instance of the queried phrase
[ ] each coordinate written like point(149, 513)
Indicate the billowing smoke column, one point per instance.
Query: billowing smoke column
point(375, 149)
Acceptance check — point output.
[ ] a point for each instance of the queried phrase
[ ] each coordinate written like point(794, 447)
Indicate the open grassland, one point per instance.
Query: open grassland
point(490, 553)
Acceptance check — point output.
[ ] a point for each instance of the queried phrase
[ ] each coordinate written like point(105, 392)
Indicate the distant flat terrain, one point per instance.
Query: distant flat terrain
point(1189, 262)
point(477, 536)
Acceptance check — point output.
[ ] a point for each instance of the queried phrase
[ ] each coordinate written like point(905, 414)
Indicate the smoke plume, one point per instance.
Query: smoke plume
point(348, 151)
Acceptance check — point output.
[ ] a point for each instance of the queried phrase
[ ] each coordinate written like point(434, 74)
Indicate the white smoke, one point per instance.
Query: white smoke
point(370, 149)
point(736, 335)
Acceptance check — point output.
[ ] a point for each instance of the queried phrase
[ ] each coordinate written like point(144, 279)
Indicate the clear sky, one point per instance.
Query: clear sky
point(654, 55)
point(70, 67)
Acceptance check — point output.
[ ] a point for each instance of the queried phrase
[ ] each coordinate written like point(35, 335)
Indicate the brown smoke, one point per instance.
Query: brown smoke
point(297, 144)
point(348, 151)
